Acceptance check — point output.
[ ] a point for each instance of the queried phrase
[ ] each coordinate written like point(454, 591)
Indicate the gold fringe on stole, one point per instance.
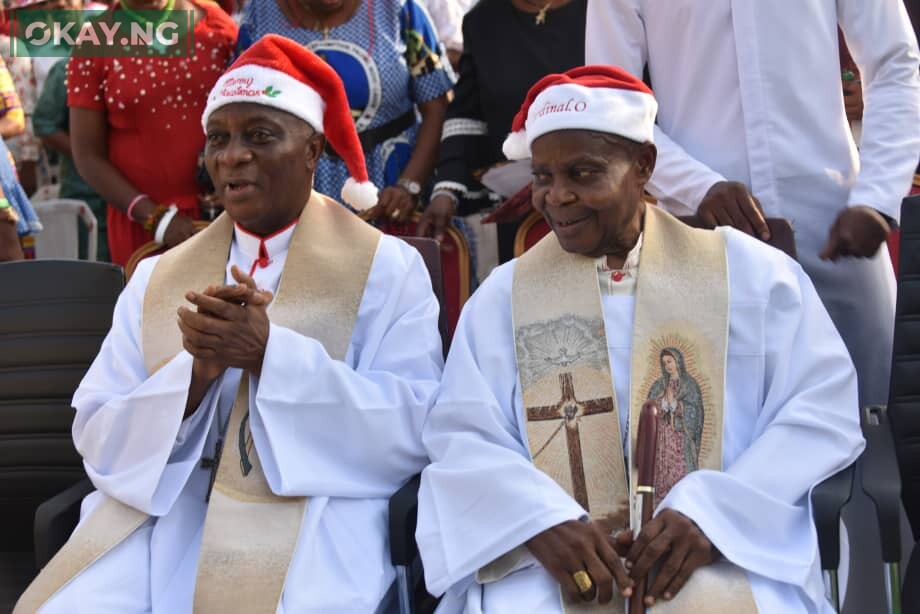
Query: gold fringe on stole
point(250, 533)
point(682, 304)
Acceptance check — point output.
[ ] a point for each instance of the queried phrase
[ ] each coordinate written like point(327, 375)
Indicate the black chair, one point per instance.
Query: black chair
point(904, 395)
point(54, 315)
point(889, 468)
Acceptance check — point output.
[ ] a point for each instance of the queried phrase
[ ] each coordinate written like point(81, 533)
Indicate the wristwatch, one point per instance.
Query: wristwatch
point(414, 188)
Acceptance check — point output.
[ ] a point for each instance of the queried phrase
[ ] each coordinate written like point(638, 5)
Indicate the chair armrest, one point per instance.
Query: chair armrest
point(827, 500)
point(55, 520)
point(403, 518)
point(881, 479)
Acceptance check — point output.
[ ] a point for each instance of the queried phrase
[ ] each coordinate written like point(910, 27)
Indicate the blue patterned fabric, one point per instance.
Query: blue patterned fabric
point(12, 192)
point(388, 56)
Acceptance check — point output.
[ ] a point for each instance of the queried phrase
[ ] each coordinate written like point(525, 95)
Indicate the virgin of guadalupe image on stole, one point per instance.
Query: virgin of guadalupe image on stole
point(682, 410)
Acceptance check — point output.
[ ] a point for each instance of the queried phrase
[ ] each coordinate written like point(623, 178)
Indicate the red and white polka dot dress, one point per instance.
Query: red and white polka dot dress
point(153, 112)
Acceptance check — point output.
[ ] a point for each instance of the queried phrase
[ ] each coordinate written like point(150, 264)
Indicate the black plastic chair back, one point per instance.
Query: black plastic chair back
point(54, 315)
point(904, 395)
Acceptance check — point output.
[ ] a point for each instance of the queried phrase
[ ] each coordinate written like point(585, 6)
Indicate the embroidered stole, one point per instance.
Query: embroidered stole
point(250, 533)
point(679, 344)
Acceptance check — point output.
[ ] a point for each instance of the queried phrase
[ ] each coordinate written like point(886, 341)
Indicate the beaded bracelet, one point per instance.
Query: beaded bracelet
point(150, 224)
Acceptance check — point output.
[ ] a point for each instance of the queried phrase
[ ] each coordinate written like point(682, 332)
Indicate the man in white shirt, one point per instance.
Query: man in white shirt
point(751, 123)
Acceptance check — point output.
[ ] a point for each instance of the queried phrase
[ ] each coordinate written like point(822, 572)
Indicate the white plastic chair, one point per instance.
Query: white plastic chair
point(49, 191)
point(60, 236)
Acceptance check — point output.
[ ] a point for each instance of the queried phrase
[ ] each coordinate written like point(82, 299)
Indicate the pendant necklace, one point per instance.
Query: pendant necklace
point(541, 16)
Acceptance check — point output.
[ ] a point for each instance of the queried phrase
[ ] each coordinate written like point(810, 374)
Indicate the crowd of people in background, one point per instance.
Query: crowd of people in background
point(433, 86)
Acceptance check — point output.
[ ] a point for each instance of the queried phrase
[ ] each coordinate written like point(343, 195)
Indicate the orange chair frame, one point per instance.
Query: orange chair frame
point(151, 248)
point(463, 250)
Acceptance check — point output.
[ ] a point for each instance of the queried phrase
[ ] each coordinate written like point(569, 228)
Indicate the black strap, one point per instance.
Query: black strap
point(374, 136)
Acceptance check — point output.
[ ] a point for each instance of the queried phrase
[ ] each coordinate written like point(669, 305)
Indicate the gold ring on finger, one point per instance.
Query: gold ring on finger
point(583, 581)
point(395, 214)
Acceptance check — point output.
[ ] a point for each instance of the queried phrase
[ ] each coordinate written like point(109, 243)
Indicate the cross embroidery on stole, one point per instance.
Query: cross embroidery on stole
point(570, 409)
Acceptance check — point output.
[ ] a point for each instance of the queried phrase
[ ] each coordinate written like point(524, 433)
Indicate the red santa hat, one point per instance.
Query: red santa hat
point(599, 98)
point(278, 72)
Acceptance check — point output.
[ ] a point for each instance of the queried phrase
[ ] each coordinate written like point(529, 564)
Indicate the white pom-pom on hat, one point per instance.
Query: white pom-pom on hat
point(362, 195)
point(515, 146)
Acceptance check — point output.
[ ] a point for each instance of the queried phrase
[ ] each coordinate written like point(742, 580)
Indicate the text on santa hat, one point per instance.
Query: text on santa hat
point(569, 106)
point(242, 86)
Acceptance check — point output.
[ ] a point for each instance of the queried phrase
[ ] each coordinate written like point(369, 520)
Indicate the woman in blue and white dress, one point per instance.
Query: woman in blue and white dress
point(388, 55)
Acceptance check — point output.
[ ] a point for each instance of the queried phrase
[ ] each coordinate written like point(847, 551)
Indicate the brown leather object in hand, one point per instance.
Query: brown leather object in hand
point(646, 451)
point(647, 444)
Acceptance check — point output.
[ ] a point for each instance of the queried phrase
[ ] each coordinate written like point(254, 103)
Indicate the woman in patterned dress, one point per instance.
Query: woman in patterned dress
point(388, 56)
point(136, 127)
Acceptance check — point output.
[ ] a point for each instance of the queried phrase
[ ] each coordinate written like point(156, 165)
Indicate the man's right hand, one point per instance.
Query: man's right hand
point(205, 371)
point(210, 370)
point(728, 203)
point(436, 218)
point(575, 546)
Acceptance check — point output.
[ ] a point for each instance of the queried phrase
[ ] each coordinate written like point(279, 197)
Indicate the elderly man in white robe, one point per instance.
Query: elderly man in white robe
point(529, 503)
point(752, 123)
point(250, 471)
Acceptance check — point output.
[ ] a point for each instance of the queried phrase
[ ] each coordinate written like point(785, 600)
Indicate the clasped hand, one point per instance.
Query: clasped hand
point(229, 328)
point(677, 543)
point(670, 538)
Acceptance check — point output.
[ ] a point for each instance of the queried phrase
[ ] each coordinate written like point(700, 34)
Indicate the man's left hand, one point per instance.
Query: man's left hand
point(858, 231)
point(395, 203)
point(226, 331)
point(681, 546)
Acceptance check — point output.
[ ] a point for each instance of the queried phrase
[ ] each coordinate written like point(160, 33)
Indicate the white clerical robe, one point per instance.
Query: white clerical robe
point(790, 420)
point(751, 92)
point(346, 434)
